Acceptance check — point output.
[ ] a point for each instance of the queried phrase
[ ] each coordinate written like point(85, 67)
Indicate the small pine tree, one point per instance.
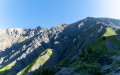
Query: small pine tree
point(89, 50)
point(104, 38)
point(83, 52)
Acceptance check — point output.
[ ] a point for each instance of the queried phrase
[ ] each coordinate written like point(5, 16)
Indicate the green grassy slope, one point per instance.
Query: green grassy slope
point(109, 32)
point(6, 69)
point(37, 62)
point(88, 62)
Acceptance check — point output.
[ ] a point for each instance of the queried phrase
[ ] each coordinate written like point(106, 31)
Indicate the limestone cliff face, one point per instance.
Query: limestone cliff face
point(23, 46)
point(16, 35)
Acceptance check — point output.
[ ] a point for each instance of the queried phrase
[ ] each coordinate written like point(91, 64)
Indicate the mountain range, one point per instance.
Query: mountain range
point(87, 47)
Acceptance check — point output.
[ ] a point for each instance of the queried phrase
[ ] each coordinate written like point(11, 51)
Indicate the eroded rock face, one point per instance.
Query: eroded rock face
point(13, 42)
point(12, 36)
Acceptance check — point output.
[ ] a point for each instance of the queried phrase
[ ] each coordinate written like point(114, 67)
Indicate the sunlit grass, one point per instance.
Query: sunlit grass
point(39, 61)
point(5, 70)
point(109, 32)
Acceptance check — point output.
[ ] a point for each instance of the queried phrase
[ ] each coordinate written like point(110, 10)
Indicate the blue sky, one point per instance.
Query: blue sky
point(48, 13)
